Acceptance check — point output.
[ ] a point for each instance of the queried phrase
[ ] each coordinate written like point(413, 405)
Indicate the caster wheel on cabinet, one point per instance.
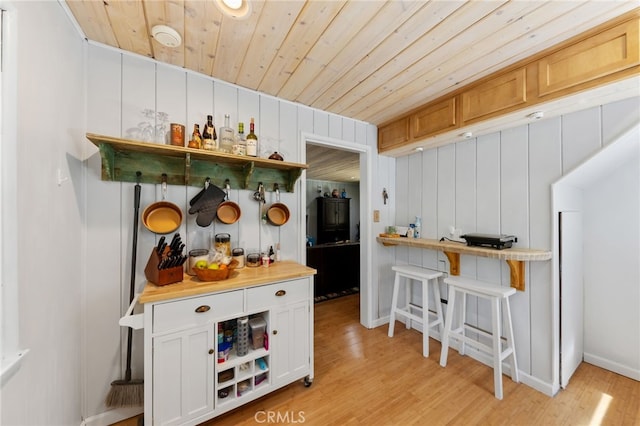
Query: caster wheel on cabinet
point(307, 382)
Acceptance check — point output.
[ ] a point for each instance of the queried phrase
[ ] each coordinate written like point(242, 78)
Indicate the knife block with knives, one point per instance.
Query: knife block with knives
point(165, 263)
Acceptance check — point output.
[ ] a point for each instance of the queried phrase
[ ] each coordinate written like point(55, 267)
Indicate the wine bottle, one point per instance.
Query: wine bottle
point(196, 138)
point(252, 140)
point(209, 135)
point(227, 136)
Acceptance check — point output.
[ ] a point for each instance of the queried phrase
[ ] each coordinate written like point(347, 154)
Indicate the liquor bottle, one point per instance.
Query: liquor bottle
point(196, 138)
point(227, 136)
point(240, 148)
point(209, 135)
point(252, 141)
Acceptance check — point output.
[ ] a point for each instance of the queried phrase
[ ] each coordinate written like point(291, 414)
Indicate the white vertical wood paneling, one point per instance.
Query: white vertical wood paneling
point(103, 292)
point(335, 126)
point(429, 206)
point(199, 104)
point(514, 218)
point(226, 100)
point(171, 99)
point(400, 197)
point(545, 167)
point(581, 137)
point(291, 149)
point(414, 203)
point(446, 188)
point(465, 196)
point(269, 125)
point(348, 130)
point(488, 200)
point(618, 118)
point(320, 123)
point(305, 120)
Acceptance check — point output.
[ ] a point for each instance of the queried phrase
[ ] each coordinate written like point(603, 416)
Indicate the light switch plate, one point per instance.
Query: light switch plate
point(376, 215)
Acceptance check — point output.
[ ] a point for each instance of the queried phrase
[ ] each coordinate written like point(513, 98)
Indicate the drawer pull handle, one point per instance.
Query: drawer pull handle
point(211, 351)
point(202, 308)
point(280, 293)
point(275, 332)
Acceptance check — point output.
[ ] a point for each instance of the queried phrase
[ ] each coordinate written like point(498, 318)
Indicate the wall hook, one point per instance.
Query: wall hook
point(385, 195)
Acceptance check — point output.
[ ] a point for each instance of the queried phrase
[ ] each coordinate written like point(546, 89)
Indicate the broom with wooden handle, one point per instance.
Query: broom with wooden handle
point(127, 391)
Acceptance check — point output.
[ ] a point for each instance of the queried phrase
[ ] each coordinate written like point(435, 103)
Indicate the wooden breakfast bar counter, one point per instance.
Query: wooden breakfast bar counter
point(515, 257)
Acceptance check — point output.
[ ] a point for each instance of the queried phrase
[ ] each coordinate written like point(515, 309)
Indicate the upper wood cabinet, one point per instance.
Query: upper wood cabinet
point(606, 54)
point(435, 118)
point(495, 96)
point(594, 58)
point(393, 134)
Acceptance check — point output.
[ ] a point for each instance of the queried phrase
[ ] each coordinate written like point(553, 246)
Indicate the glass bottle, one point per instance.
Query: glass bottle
point(240, 147)
point(196, 138)
point(209, 135)
point(227, 136)
point(252, 140)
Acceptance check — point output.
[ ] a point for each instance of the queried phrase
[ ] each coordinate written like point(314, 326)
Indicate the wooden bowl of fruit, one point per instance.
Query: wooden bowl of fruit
point(215, 271)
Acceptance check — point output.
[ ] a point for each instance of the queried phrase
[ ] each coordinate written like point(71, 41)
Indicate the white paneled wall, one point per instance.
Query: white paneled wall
point(120, 86)
point(501, 183)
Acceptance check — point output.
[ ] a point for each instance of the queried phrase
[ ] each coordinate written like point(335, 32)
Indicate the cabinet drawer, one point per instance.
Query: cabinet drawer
point(196, 311)
point(279, 294)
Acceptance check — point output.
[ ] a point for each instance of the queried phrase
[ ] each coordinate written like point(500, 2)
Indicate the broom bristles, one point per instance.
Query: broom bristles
point(125, 393)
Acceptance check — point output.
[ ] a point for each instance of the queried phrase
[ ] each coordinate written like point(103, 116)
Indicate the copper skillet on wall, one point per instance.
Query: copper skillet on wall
point(278, 213)
point(228, 212)
point(162, 217)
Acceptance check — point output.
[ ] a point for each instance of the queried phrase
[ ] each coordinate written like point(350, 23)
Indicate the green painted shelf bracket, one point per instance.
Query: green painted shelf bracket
point(122, 158)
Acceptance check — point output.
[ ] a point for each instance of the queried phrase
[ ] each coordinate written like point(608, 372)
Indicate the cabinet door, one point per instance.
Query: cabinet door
point(289, 342)
point(330, 216)
point(394, 134)
point(183, 375)
point(342, 214)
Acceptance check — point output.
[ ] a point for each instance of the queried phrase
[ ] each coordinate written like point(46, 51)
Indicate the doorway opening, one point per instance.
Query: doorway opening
point(335, 199)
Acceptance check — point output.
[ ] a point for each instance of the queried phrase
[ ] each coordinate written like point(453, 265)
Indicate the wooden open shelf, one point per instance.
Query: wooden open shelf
point(515, 257)
point(122, 158)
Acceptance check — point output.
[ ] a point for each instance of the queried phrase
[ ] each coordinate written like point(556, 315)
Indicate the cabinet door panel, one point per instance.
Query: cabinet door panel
point(495, 96)
point(434, 119)
point(290, 342)
point(182, 375)
point(393, 134)
point(598, 56)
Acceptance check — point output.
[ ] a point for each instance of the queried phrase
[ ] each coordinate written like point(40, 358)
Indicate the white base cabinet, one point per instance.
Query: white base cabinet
point(187, 378)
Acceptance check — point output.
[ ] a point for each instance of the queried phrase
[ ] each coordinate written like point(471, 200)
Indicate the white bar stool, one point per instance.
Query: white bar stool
point(425, 276)
point(459, 286)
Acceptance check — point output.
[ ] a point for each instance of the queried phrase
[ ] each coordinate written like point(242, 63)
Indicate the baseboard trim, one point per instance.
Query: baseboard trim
point(618, 368)
point(112, 416)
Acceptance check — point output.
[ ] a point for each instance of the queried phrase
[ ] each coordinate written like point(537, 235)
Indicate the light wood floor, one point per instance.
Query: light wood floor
point(363, 377)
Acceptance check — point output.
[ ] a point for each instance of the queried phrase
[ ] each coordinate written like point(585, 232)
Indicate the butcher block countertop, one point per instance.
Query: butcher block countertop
point(240, 278)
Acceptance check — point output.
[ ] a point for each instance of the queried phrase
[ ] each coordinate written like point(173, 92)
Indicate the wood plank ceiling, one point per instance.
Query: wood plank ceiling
point(369, 60)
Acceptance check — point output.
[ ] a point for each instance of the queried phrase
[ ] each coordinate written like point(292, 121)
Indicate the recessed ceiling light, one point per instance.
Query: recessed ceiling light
point(166, 36)
point(237, 9)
